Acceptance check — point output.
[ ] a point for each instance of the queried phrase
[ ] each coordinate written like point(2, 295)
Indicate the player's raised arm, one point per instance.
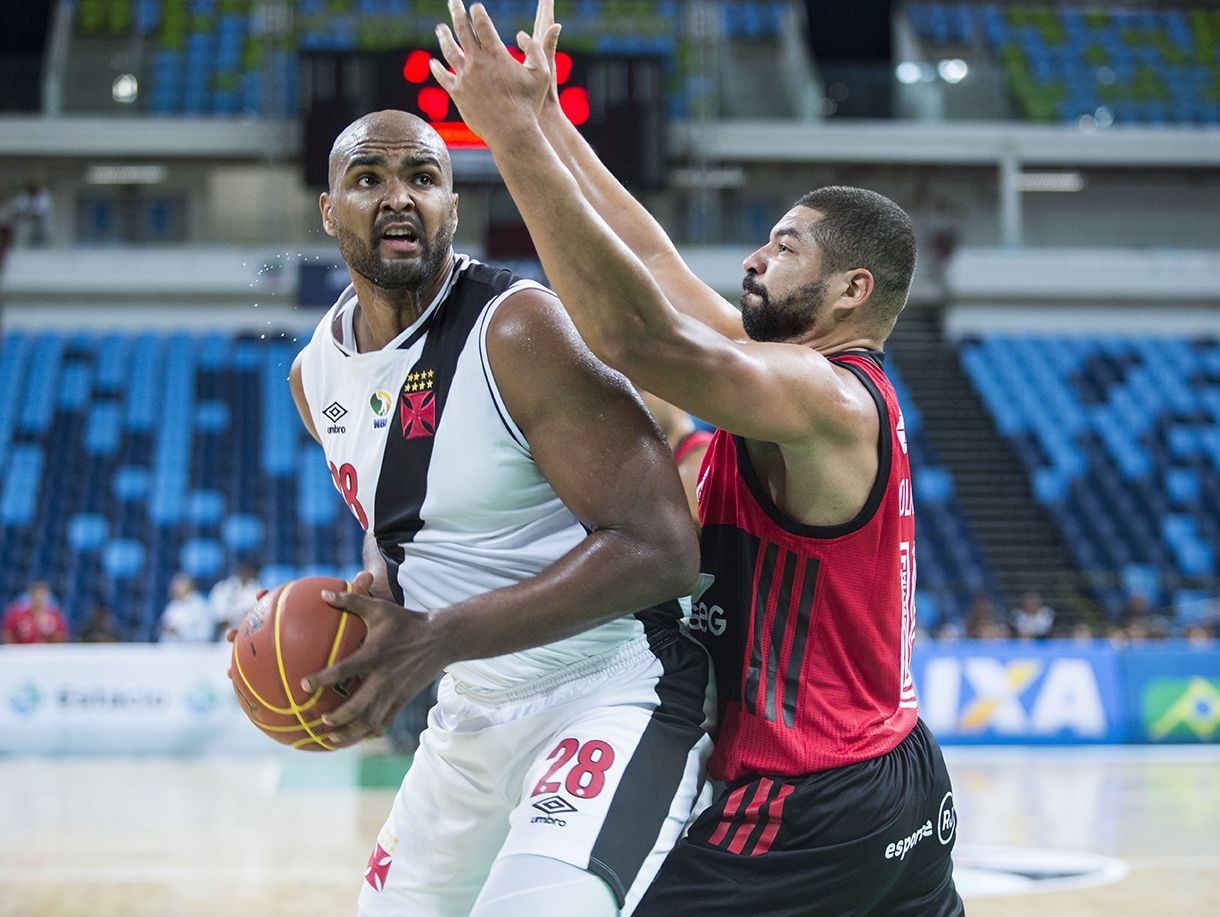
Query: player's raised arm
point(775, 392)
point(626, 216)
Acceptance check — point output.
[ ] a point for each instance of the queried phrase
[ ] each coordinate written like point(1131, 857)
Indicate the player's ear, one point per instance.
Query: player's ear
point(324, 205)
point(857, 287)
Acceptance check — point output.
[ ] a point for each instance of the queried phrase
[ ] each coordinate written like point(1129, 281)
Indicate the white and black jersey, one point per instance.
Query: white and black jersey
point(428, 458)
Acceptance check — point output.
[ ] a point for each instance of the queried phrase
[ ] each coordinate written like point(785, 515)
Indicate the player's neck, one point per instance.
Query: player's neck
point(843, 340)
point(383, 314)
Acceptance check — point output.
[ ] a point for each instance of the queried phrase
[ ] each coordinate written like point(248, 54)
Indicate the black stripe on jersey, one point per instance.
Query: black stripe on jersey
point(652, 777)
point(492, 389)
point(783, 610)
point(875, 495)
point(796, 660)
point(764, 567)
point(403, 483)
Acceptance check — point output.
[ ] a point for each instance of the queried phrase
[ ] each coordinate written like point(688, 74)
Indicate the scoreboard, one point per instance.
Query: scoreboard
point(616, 101)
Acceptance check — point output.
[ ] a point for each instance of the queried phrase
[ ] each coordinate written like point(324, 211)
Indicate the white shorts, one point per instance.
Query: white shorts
point(599, 765)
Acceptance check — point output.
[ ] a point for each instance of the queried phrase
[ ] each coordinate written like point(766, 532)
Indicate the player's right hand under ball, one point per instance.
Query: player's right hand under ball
point(396, 661)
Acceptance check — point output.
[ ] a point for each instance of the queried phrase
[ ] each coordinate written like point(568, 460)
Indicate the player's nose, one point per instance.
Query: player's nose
point(755, 263)
point(397, 197)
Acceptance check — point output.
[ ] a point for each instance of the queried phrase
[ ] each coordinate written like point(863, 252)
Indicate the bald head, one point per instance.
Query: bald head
point(380, 130)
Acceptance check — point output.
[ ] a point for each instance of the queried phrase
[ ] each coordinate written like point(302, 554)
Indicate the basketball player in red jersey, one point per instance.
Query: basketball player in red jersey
point(835, 800)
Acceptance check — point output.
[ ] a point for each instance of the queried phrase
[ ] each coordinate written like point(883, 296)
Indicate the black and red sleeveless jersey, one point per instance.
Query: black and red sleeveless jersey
point(810, 627)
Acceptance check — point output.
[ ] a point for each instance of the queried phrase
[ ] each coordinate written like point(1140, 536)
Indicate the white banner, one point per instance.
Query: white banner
point(122, 698)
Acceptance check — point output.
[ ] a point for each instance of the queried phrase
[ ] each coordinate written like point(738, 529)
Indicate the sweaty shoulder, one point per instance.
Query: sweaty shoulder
point(540, 360)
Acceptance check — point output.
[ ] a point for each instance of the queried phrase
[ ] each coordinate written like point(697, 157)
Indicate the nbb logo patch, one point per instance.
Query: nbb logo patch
point(989, 696)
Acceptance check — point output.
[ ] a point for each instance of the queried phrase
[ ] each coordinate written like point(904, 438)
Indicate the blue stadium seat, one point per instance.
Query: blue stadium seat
point(202, 558)
point(123, 558)
point(205, 507)
point(243, 534)
point(88, 532)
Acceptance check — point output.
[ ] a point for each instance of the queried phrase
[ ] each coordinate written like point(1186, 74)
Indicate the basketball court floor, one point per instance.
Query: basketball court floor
point(1073, 832)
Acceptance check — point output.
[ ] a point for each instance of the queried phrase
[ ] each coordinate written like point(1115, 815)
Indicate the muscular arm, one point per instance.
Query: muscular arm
point(298, 396)
point(592, 439)
point(778, 393)
point(626, 217)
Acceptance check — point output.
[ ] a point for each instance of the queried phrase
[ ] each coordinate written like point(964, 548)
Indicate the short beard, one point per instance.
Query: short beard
point(407, 274)
point(784, 319)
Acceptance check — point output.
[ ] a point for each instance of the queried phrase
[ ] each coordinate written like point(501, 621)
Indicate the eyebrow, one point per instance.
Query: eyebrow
point(376, 159)
point(792, 231)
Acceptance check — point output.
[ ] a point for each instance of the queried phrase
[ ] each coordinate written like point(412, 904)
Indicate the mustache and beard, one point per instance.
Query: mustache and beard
point(363, 256)
point(782, 319)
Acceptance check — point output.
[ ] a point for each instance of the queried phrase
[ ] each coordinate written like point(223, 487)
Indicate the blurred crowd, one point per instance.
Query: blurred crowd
point(190, 616)
point(1032, 619)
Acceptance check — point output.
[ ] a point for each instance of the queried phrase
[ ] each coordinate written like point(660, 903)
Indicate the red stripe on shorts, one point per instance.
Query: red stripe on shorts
point(775, 814)
point(750, 819)
point(730, 809)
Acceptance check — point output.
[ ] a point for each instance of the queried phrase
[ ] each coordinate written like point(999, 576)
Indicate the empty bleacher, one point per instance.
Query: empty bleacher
point(240, 58)
point(1063, 62)
point(1121, 439)
point(130, 457)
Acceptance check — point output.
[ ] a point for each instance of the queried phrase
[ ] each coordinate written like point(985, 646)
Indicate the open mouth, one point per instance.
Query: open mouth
point(401, 238)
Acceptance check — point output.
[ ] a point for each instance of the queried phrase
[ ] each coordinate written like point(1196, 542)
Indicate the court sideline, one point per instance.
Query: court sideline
point(1122, 831)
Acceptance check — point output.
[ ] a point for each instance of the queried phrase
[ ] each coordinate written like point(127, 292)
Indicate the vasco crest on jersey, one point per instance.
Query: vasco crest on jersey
point(417, 405)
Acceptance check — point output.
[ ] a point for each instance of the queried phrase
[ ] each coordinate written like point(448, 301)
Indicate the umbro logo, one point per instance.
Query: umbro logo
point(554, 805)
point(334, 412)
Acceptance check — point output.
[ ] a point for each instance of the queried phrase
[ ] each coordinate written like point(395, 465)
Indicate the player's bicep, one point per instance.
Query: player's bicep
point(588, 432)
point(297, 385)
point(691, 296)
point(781, 393)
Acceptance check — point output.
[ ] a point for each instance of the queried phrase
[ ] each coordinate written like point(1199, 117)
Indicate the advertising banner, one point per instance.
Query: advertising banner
point(1174, 693)
point(121, 698)
point(997, 692)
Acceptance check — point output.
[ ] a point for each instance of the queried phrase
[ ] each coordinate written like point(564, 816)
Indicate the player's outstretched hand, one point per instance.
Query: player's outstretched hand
point(546, 36)
point(396, 661)
point(493, 92)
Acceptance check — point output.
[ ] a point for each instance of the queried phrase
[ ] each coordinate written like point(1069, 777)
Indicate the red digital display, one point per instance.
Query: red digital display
point(434, 105)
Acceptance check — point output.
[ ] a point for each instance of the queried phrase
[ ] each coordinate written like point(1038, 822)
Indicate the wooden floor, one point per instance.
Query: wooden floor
point(289, 836)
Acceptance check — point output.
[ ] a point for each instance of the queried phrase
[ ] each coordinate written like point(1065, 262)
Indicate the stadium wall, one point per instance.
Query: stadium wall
point(149, 698)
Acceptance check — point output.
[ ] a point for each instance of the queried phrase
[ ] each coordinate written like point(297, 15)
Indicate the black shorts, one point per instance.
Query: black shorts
point(872, 838)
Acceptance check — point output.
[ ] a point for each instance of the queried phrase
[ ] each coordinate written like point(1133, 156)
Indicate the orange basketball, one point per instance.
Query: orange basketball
point(290, 633)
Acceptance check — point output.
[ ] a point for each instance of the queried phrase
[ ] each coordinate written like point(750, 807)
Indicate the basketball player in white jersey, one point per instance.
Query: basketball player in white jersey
point(534, 533)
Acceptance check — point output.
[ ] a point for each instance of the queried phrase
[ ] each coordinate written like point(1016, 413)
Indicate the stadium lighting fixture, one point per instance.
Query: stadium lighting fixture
point(908, 72)
point(125, 174)
point(953, 70)
point(1050, 181)
point(125, 89)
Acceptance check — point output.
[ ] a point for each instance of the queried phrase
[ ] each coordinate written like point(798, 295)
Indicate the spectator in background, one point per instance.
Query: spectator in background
point(1141, 621)
point(1033, 619)
point(34, 617)
point(983, 622)
point(102, 626)
point(33, 209)
point(232, 597)
point(187, 618)
point(8, 219)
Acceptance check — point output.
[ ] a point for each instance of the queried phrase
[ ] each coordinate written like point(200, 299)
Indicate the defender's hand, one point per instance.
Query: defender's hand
point(546, 35)
point(396, 661)
point(493, 92)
